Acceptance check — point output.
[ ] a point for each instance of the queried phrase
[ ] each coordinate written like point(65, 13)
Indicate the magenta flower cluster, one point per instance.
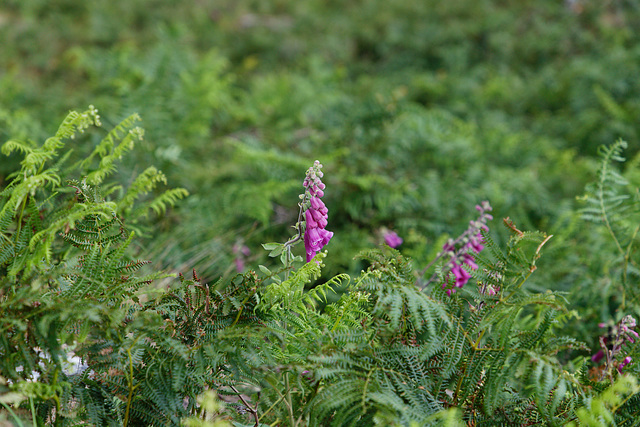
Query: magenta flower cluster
point(241, 251)
point(316, 215)
point(611, 345)
point(624, 363)
point(462, 251)
point(392, 239)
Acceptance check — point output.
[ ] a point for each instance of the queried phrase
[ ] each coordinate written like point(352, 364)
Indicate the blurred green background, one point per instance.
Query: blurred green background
point(419, 109)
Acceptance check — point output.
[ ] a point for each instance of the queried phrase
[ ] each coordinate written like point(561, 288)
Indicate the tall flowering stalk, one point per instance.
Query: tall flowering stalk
point(312, 220)
point(611, 345)
point(461, 253)
point(316, 215)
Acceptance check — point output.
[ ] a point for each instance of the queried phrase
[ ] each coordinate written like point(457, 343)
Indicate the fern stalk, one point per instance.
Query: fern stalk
point(603, 209)
point(280, 399)
point(33, 412)
point(288, 400)
point(364, 392)
point(246, 300)
point(130, 382)
point(532, 267)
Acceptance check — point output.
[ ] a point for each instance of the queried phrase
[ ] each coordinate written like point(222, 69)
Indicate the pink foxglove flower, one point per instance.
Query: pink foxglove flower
point(316, 215)
point(241, 251)
point(392, 239)
point(462, 250)
point(624, 363)
point(597, 357)
point(612, 344)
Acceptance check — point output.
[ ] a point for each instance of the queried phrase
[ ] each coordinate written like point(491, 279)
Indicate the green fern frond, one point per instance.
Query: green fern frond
point(142, 184)
point(629, 412)
point(107, 145)
point(493, 248)
point(36, 157)
point(131, 266)
point(606, 202)
point(107, 162)
point(168, 198)
point(601, 409)
point(348, 311)
point(290, 293)
point(321, 292)
point(76, 214)
point(12, 145)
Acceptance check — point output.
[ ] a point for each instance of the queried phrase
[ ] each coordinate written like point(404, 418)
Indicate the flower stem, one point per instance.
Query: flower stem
point(298, 227)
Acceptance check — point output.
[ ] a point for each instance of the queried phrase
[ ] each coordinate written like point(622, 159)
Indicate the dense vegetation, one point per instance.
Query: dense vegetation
point(135, 288)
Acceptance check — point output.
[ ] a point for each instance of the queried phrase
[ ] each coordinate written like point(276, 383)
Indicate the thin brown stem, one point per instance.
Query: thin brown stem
point(252, 410)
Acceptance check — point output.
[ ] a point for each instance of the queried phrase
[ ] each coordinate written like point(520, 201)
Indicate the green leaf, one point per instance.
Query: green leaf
point(275, 248)
point(265, 270)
